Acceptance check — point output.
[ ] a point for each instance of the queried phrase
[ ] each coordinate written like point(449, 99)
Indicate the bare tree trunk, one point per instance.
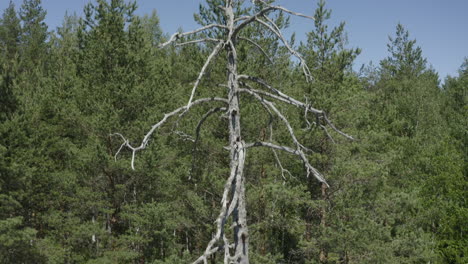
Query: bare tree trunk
point(241, 241)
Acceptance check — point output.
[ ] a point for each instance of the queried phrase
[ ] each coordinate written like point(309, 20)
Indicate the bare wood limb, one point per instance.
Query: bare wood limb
point(278, 113)
point(197, 133)
point(336, 129)
point(249, 19)
point(278, 161)
point(125, 142)
point(202, 72)
point(145, 140)
point(285, 10)
point(278, 95)
point(239, 159)
point(178, 35)
point(309, 125)
point(273, 146)
point(197, 41)
point(184, 136)
point(258, 47)
point(275, 30)
point(328, 134)
point(297, 152)
point(203, 119)
point(242, 18)
point(299, 146)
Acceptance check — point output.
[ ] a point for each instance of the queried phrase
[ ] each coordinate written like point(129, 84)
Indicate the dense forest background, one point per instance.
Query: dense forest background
point(397, 193)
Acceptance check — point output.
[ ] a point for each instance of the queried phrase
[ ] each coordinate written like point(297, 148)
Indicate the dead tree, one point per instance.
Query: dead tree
point(233, 203)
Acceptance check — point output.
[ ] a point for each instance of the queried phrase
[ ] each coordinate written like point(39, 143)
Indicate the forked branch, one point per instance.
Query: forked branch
point(280, 96)
point(299, 147)
point(273, 28)
point(144, 142)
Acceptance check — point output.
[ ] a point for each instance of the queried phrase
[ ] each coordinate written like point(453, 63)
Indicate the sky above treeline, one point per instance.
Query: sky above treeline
point(439, 26)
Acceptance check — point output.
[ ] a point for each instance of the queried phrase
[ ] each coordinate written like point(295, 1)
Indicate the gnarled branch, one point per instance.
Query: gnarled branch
point(278, 95)
point(176, 36)
point(145, 140)
point(299, 146)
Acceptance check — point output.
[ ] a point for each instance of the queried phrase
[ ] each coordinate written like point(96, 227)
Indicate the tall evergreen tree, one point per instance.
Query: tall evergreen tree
point(34, 33)
point(10, 32)
point(405, 57)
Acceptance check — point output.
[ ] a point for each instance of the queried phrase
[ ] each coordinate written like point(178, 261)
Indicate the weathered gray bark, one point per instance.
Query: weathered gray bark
point(233, 203)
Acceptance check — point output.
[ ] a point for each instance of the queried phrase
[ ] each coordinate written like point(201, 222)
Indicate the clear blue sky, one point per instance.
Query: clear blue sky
point(439, 26)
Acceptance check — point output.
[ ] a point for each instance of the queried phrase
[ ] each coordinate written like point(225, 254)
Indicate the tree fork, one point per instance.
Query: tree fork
point(233, 202)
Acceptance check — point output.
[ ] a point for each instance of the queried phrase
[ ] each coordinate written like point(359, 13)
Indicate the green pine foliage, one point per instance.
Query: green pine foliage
point(397, 193)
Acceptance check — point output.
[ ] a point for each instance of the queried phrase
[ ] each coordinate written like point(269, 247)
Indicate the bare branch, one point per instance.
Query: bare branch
point(270, 126)
point(306, 111)
point(184, 136)
point(145, 140)
point(198, 41)
point(278, 161)
point(299, 146)
point(278, 95)
point(278, 92)
point(197, 132)
point(298, 152)
point(278, 113)
point(121, 146)
point(249, 19)
point(278, 33)
point(273, 146)
point(203, 119)
point(285, 10)
point(242, 18)
point(202, 72)
point(328, 134)
point(275, 30)
point(336, 129)
point(178, 35)
point(258, 47)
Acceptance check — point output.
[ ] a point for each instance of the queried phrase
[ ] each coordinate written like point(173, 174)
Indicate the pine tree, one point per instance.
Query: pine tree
point(34, 34)
point(9, 43)
point(10, 32)
point(405, 57)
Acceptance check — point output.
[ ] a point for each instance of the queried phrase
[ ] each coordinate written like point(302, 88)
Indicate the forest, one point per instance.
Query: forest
point(381, 178)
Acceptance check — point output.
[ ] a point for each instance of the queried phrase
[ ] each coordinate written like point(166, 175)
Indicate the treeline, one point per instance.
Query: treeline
point(397, 193)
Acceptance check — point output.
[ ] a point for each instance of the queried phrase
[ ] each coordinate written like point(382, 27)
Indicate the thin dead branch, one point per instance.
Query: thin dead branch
point(202, 72)
point(145, 140)
point(204, 40)
point(197, 133)
point(302, 63)
point(178, 35)
point(258, 47)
